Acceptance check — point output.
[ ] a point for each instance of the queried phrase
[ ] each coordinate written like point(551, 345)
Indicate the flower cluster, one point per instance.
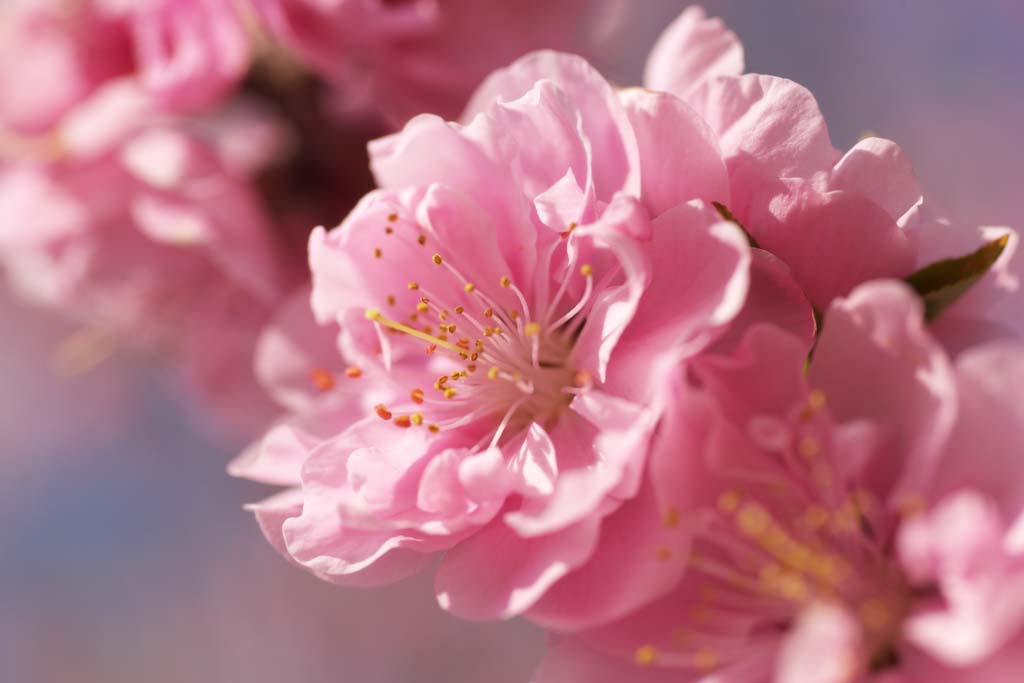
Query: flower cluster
point(658, 368)
point(564, 347)
point(664, 371)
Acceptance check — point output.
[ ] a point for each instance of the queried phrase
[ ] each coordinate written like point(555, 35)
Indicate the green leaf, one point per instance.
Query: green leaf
point(943, 282)
point(726, 214)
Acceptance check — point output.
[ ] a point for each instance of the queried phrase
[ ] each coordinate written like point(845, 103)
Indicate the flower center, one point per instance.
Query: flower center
point(781, 538)
point(494, 360)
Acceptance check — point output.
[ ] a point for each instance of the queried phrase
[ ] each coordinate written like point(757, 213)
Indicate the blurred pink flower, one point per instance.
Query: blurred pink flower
point(184, 54)
point(414, 56)
point(860, 523)
point(506, 306)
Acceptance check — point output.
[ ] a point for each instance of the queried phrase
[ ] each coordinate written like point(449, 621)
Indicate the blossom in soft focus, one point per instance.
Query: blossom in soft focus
point(862, 522)
point(505, 306)
point(413, 56)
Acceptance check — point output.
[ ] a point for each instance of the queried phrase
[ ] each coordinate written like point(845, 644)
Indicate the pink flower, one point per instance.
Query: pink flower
point(835, 220)
point(860, 523)
point(183, 54)
point(148, 195)
point(406, 58)
point(506, 307)
point(153, 245)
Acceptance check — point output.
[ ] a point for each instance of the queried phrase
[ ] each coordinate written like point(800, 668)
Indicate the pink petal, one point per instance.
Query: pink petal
point(878, 170)
point(606, 440)
point(679, 154)
point(774, 298)
point(982, 588)
point(496, 574)
point(832, 241)
point(768, 128)
point(986, 448)
point(692, 50)
point(823, 647)
point(700, 277)
point(637, 560)
point(877, 338)
point(603, 122)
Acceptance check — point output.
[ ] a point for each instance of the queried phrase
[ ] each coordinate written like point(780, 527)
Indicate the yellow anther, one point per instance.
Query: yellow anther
point(416, 395)
point(752, 519)
point(459, 310)
point(911, 505)
point(469, 287)
point(645, 655)
point(322, 379)
point(392, 217)
point(809, 447)
point(506, 281)
point(414, 285)
point(793, 587)
point(816, 516)
point(586, 270)
point(374, 315)
point(531, 329)
point(816, 399)
point(422, 307)
point(471, 368)
point(493, 372)
point(729, 501)
point(377, 253)
point(422, 239)
point(449, 393)
point(434, 428)
point(417, 419)
point(437, 259)
point(705, 658)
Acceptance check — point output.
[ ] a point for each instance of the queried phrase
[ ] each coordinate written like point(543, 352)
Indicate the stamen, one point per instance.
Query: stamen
point(375, 315)
point(645, 655)
point(377, 253)
point(416, 396)
point(322, 379)
point(382, 411)
point(403, 421)
point(437, 259)
point(422, 239)
point(353, 372)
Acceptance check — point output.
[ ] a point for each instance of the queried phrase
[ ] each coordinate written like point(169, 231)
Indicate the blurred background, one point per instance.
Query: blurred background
point(125, 554)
